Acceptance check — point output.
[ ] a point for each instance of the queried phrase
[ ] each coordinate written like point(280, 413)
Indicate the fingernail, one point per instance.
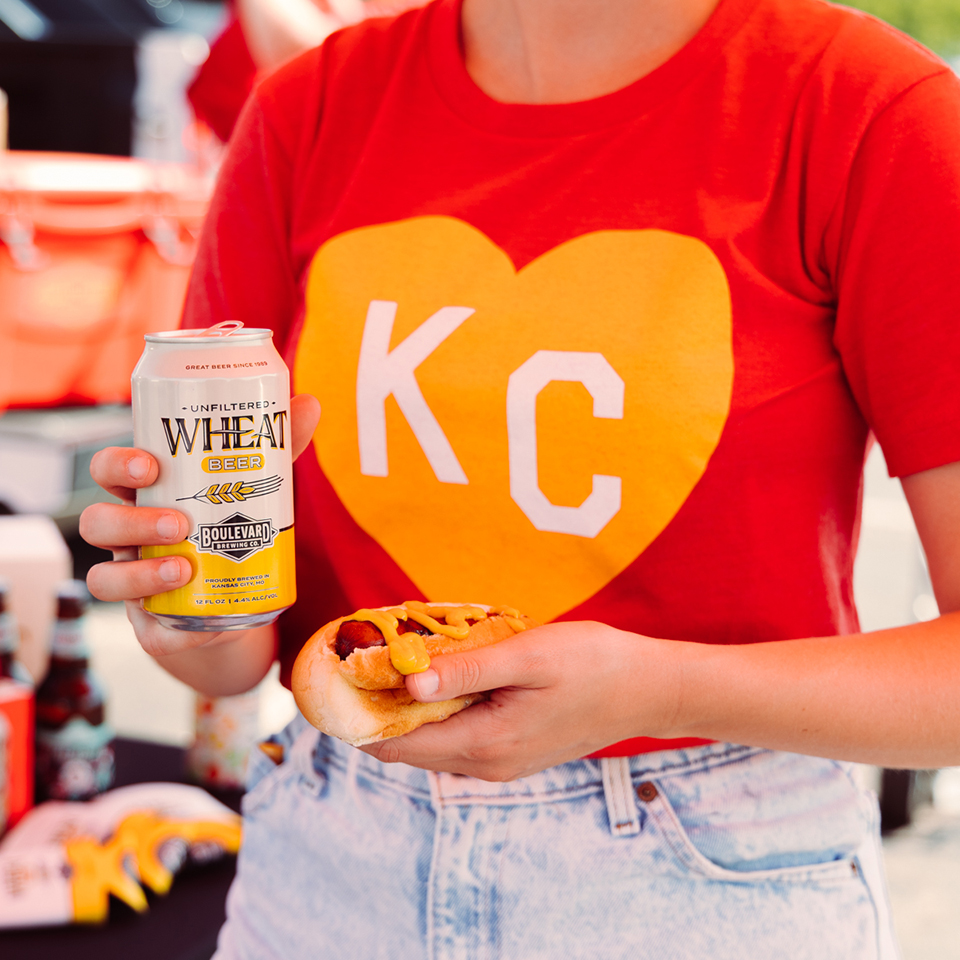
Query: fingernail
point(170, 571)
point(168, 526)
point(138, 467)
point(426, 683)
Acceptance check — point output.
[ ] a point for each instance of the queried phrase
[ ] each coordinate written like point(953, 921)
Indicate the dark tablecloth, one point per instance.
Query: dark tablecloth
point(181, 926)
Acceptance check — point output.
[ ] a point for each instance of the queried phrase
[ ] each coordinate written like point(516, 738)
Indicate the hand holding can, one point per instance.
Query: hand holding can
point(125, 528)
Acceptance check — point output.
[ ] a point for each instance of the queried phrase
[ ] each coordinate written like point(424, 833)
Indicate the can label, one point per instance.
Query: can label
point(237, 537)
point(222, 442)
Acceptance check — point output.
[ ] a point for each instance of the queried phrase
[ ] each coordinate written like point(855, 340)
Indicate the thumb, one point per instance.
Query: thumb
point(473, 671)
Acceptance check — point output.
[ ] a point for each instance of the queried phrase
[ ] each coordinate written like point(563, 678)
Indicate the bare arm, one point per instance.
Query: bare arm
point(217, 664)
point(567, 689)
point(889, 697)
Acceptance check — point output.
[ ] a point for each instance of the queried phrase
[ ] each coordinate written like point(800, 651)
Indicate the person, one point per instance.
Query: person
point(602, 301)
point(258, 37)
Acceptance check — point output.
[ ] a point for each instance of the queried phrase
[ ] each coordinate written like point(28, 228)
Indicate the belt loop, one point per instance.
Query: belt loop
point(436, 790)
point(618, 791)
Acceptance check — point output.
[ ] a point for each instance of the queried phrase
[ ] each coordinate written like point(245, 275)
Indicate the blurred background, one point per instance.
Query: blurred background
point(935, 23)
point(116, 116)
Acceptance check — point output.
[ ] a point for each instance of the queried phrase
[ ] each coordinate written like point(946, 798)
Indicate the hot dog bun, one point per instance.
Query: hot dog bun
point(362, 698)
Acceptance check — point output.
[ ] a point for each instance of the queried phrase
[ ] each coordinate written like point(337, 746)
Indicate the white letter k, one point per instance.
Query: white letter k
point(382, 371)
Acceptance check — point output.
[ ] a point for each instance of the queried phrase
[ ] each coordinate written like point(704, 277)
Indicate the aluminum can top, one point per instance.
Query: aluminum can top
point(230, 331)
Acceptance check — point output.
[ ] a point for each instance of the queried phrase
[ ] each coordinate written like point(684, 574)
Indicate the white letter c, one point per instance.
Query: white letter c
point(526, 382)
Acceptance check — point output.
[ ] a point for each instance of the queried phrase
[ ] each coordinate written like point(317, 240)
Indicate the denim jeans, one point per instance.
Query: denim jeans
point(716, 852)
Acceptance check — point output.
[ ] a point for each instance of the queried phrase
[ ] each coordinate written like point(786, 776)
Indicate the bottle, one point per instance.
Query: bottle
point(74, 753)
point(10, 667)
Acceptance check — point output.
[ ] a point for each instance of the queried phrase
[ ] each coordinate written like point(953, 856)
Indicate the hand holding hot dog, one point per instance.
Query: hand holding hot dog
point(349, 679)
point(560, 692)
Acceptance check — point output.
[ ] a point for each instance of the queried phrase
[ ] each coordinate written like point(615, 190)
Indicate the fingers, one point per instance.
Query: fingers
point(304, 417)
point(121, 471)
point(122, 529)
point(109, 525)
point(515, 663)
point(482, 741)
point(133, 579)
point(434, 746)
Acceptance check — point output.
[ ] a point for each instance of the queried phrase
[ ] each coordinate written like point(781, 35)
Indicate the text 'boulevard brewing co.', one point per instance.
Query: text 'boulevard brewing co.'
point(213, 407)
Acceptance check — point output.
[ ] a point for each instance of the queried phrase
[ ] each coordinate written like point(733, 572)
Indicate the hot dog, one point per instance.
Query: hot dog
point(349, 677)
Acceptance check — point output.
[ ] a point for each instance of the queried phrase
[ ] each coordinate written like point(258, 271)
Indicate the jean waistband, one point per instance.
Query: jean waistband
point(564, 780)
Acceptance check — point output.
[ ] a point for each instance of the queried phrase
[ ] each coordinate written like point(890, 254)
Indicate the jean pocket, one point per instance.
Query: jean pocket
point(774, 817)
point(264, 786)
point(262, 760)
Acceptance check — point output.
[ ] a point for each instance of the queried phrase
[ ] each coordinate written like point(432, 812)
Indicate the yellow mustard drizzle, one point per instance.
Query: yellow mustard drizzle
point(407, 651)
point(456, 626)
point(511, 615)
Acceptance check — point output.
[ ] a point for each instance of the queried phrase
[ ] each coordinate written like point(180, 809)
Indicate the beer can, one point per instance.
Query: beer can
point(213, 407)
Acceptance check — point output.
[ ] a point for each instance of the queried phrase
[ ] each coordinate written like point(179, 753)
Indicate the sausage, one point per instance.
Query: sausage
point(359, 635)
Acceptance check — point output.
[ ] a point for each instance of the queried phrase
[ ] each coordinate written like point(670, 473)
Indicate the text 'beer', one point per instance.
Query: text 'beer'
point(213, 407)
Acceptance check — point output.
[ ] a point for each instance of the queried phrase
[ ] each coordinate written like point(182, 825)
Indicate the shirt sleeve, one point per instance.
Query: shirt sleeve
point(896, 237)
point(224, 81)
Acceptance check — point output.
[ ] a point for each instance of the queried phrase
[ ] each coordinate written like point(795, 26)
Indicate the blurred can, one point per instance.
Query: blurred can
point(226, 728)
point(212, 406)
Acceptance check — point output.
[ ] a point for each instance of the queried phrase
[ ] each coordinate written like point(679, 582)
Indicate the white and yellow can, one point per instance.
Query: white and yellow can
point(213, 407)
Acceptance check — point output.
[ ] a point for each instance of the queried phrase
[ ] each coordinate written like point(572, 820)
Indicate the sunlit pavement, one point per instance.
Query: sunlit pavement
point(923, 873)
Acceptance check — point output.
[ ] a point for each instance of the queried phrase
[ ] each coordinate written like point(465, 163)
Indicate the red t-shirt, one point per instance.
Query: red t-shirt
point(612, 360)
point(224, 81)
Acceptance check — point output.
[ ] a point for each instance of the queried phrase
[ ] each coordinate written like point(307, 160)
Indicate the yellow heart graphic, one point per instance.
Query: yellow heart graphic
point(515, 436)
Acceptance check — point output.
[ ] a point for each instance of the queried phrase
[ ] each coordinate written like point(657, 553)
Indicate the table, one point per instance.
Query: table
point(181, 926)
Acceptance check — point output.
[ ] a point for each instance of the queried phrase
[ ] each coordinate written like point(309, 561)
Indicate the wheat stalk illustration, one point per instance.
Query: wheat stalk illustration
point(236, 492)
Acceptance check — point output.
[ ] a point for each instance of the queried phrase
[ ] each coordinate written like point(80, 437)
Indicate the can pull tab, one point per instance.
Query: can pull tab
point(223, 329)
